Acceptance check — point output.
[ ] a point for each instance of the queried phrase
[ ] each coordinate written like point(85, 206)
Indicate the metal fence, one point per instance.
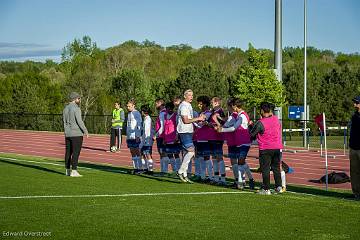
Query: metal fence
point(51, 122)
point(294, 135)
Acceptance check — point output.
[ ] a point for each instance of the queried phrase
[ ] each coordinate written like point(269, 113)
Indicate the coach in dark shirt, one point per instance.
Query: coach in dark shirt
point(354, 144)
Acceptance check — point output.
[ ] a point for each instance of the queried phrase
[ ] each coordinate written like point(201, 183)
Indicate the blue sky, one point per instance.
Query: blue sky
point(41, 28)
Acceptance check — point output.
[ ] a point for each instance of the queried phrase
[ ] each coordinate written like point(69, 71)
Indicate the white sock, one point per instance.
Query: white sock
point(209, 168)
point(202, 167)
point(161, 164)
point(173, 164)
point(139, 161)
point(197, 166)
point(143, 164)
point(164, 163)
point(189, 168)
point(241, 174)
point(222, 169)
point(146, 166)
point(235, 169)
point(150, 165)
point(134, 162)
point(283, 179)
point(177, 163)
point(185, 164)
point(248, 171)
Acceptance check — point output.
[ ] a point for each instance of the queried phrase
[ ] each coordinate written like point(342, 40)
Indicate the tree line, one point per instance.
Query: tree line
point(147, 71)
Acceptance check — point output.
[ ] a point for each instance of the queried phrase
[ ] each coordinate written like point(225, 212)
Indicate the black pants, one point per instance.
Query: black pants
point(267, 159)
point(73, 147)
point(115, 134)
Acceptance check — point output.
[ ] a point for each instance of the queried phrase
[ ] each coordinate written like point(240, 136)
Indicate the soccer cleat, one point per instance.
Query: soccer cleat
point(182, 177)
point(67, 172)
point(279, 189)
point(264, 192)
point(236, 185)
point(252, 184)
point(283, 189)
point(188, 180)
point(75, 173)
point(291, 170)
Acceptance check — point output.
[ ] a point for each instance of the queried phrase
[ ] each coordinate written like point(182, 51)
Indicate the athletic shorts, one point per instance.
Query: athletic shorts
point(146, 150)
point(172, 148)
point(243, 151)
point(233, 152)
point(203, 149)
point(186, 140)
point(132, 143)
point(216, 148)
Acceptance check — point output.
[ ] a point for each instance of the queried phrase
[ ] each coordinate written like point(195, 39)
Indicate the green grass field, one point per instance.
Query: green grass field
point(96, 207)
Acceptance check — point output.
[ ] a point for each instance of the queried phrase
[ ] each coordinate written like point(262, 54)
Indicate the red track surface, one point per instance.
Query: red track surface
point(307, 165)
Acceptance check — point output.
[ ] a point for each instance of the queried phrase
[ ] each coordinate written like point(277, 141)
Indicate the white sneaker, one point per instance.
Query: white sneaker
point(264, 192)
point(75, 173)
point(279, 189)
point(67, 172)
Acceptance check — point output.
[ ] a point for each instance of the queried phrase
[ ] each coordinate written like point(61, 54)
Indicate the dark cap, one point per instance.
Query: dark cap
point(356, 99)
point(73, 96)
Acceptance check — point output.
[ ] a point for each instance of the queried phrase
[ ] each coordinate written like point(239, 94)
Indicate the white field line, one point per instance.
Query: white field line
point(123, 195)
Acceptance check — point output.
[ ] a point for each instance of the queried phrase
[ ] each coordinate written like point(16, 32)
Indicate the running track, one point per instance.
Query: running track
point(307, 165)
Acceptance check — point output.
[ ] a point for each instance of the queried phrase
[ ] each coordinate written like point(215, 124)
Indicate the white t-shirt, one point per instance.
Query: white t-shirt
point(185, 109)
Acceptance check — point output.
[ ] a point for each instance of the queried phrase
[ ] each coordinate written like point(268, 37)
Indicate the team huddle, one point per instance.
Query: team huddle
point(185, 138)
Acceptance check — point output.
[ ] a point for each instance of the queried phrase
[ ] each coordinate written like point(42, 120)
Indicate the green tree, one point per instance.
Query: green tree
point(255, 82)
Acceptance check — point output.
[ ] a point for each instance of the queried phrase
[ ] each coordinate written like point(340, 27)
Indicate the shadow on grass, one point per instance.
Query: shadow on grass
point(31, 166)
point(122, 170)
point(321, 192)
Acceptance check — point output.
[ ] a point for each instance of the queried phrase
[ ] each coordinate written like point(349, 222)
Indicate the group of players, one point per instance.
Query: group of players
point(186, 138)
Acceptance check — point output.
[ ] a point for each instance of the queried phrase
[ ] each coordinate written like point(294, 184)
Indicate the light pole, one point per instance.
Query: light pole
point(305, 76)
point(278, 46)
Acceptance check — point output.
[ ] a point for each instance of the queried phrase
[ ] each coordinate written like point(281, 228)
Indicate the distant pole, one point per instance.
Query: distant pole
point(278, 39)
point(305, 75)
point(278, 45)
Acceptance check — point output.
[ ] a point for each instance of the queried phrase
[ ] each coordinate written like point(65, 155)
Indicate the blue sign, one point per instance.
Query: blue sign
point(295, 112)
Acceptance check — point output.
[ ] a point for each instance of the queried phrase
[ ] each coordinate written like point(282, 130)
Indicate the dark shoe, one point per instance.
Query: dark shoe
point(252, 184)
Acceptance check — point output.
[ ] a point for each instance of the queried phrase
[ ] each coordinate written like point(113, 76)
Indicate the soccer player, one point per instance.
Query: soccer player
point(159, 134)
point(185, 131)
point(147, 140)
point(133, 135)
point(172, 147)
point(239, 127)
point(202, 135)
point(216, 141)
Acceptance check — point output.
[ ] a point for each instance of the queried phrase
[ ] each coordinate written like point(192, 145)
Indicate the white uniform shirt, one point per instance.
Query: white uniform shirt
point(148, 132)
point(134, 125)
point(185, 109)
